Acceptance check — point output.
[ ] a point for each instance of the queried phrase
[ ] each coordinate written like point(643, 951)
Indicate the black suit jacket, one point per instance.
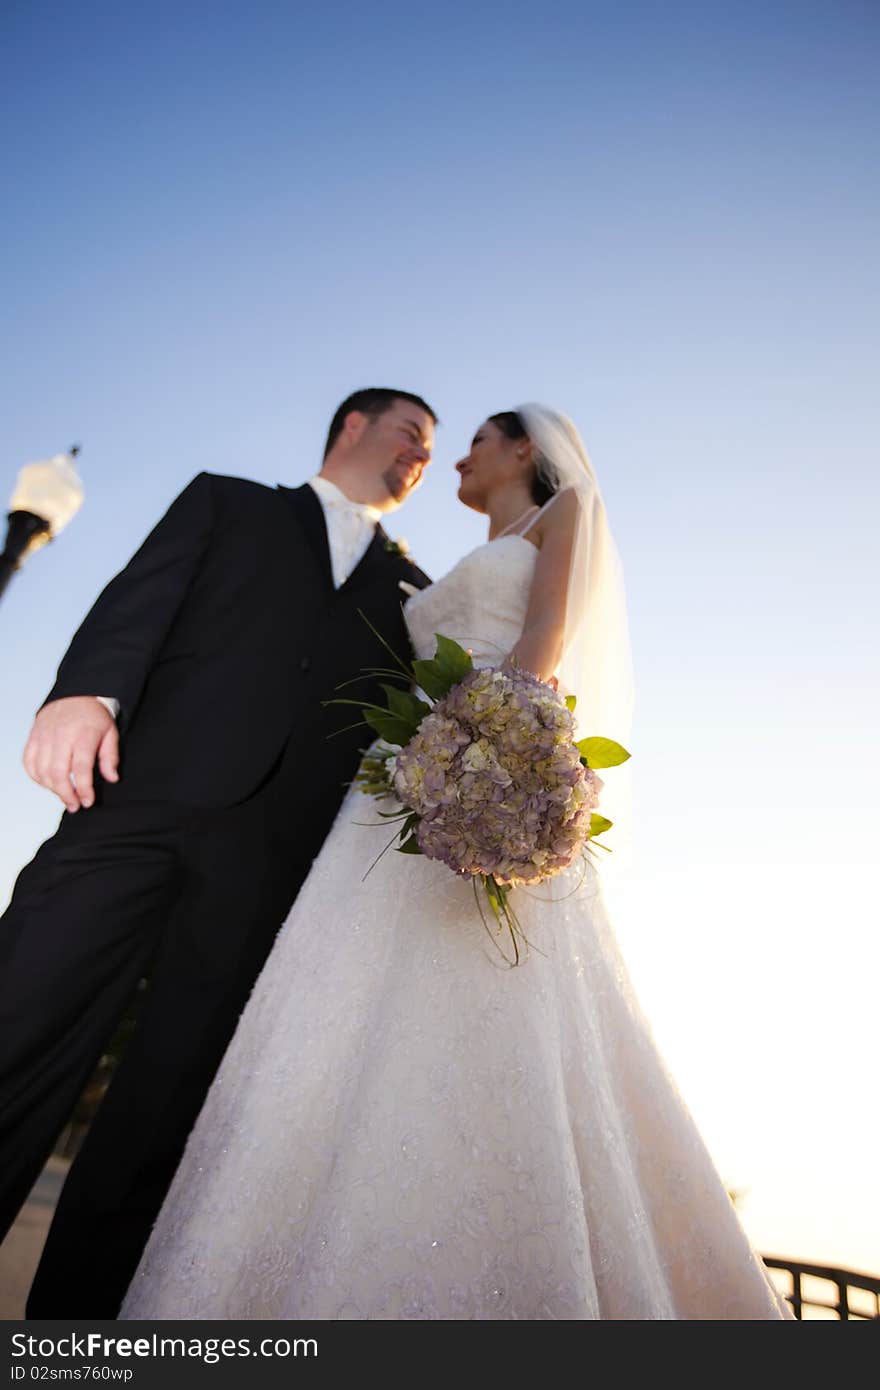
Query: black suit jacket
point(222, 637)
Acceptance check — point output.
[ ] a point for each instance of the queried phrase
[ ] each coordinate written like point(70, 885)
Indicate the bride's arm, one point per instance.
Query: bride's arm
point(539, 649)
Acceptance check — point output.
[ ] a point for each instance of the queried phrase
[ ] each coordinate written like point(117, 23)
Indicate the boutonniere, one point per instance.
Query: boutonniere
point(399, 547)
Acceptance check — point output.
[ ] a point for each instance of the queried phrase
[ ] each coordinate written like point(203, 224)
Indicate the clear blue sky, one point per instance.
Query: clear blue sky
point(661, 218)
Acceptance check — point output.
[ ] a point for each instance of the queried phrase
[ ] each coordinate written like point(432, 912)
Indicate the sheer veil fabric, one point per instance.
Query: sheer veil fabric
point(597, 660)
point(596, 664)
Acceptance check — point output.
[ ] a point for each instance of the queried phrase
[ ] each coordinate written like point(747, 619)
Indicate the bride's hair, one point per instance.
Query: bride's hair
point(546, 479)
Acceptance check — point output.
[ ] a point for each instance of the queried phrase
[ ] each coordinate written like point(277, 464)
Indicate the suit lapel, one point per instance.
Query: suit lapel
point(310, 514)
point(368, 561)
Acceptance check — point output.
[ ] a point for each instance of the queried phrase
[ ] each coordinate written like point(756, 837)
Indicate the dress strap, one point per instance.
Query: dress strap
point(516, 528)
point(510, 529)
point(540, 512)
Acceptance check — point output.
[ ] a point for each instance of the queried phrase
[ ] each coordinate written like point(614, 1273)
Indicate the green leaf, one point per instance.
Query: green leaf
point(571, 702)
point(599, 824)
point(388, 726)
point(452, 659)
point(431, 679)
point(410, 846)
point(409, 825)
point(601, 752)
point(449, 665)
point(496, 894)
point(376, 789)
point(406, 705)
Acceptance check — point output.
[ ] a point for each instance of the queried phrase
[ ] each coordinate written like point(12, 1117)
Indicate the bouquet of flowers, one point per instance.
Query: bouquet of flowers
point(487, 774)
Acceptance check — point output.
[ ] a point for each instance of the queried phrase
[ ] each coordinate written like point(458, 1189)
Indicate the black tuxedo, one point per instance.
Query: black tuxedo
point(221, 639)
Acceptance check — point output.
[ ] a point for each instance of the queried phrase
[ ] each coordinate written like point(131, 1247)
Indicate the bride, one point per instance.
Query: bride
point(405, 1128)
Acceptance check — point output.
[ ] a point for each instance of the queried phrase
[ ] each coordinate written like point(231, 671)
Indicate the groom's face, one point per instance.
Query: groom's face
point(400, 442)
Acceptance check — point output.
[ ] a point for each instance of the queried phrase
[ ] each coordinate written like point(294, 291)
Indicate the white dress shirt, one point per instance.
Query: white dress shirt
point(350, 527)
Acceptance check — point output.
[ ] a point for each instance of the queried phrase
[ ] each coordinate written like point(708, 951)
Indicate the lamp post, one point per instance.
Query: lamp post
point(47, 495)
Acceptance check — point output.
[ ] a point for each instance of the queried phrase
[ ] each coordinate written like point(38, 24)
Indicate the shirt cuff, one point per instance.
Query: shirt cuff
point(109, 704)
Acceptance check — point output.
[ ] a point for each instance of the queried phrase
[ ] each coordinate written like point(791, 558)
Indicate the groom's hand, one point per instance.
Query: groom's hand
point(69, 736)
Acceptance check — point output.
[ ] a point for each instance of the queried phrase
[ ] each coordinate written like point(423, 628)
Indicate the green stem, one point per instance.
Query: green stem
point(361, 724)
point(410, 675)
point(379, 856)
point(369, 675)
point(360, 704)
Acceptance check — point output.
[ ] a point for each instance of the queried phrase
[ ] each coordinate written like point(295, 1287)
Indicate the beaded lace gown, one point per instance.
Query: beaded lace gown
point(403, 1127)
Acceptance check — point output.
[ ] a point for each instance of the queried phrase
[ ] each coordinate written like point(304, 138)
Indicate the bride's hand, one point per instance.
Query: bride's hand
point(511, 663)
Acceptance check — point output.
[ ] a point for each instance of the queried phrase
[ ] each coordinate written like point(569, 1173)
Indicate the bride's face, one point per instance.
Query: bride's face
point(493, 464)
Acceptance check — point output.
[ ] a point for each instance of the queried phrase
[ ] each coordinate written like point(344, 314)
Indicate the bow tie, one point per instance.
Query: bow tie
point(360, 509)
point(356, 510)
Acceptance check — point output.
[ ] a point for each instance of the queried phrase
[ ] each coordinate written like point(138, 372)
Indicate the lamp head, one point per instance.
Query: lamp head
point(51, 490)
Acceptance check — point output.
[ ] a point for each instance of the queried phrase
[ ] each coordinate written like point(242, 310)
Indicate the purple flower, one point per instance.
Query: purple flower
point(496, 779)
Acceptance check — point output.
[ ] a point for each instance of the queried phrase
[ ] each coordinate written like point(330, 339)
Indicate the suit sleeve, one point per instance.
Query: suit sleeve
point(115, 647)
point(418, 578)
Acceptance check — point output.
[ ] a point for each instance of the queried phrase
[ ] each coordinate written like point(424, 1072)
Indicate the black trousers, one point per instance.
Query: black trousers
point(194, 897)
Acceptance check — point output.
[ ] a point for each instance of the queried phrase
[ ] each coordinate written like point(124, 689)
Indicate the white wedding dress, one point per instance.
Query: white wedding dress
point(405, 1127)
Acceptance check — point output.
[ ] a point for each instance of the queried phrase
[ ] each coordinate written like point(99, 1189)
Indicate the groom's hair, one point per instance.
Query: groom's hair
point(373, 401)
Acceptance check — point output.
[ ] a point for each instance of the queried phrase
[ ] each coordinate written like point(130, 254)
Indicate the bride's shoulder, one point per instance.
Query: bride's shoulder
point(557, 519)
point(562, 509)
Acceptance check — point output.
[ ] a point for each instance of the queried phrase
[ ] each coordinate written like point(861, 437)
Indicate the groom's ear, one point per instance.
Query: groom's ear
point(353, 427)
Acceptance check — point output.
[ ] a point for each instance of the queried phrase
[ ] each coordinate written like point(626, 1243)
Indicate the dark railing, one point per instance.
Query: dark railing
point(858, 1295)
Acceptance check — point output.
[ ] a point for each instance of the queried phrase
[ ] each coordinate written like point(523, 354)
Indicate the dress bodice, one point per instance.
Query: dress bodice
point(481, 603)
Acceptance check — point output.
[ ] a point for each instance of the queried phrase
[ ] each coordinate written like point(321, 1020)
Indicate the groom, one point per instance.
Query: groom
point(200, 773)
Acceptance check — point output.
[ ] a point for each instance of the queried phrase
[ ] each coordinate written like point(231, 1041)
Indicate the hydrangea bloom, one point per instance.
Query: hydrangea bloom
point(496, 779)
